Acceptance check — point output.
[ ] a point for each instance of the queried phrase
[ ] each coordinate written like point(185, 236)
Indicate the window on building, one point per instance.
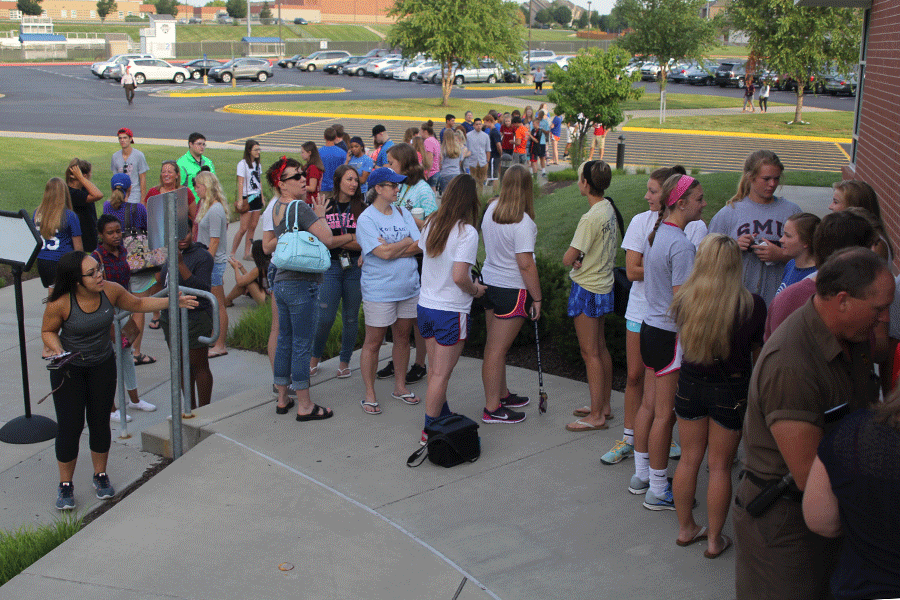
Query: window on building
point(63, 13)
point(93, 14)
point(15, 15)
point(861, 78)
point(74, 14)
point(121, 15)
point(130, 14)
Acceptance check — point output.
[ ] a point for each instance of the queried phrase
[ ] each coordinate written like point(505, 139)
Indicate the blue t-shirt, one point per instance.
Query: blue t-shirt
point(61, 242)
point(362, 164)
point(332, 157)
point(381, 161)
point(556, 126)
point(792, 275)
point(496, 138)
point(387, 280)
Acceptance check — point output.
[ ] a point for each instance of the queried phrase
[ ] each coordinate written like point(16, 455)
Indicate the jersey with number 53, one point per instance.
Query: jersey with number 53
point(61, 242)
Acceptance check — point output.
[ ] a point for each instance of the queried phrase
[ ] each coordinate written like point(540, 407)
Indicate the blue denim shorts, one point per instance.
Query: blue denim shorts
point(700, 396)
point(218, 274)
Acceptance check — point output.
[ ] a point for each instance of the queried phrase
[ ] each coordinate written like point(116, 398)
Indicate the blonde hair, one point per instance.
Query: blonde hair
point(50, 216)
point(516, 196)
point(213, 194)
point(450, 145)
point(712, 301)
point(667, 188)
point(116, 198)
point(859, 193)
point(752, 166)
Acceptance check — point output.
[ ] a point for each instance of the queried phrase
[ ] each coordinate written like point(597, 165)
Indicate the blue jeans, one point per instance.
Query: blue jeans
point(339, 285)
point(296, 300)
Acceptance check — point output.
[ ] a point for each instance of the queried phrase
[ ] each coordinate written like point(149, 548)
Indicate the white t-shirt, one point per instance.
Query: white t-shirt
point(501, 244)
point(384, 280)
point(268, 222)
point(251, 177)
point(635, 237)
point(439, 291)
point(134, 167)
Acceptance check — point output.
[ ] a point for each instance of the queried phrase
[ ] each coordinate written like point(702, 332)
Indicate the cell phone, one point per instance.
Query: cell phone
point(56, 356)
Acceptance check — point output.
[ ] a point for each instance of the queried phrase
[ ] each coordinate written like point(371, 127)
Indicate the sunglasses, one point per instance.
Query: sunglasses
point(295, 177)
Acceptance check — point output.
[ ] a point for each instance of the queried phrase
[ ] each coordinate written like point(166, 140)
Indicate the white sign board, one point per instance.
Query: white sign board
point(19, 240)
point(156, 216)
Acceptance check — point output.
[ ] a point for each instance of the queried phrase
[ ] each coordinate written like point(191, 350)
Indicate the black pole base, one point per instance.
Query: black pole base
point(28, 430)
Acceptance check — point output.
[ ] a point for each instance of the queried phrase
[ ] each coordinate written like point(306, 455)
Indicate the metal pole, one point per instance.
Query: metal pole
point(620, 153)
point(248, 18)
point(186, 386)
point(20, 311)
point(174, 326)
point(123, 400)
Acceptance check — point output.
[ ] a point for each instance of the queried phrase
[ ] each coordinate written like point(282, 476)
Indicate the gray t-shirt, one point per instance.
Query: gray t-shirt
point(305, 219)
point(133, 167)
point(667, 263)
point(764, 221)
point(214, 224)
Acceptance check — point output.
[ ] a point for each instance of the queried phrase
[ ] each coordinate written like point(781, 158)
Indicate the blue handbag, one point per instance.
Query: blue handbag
point(299, 250)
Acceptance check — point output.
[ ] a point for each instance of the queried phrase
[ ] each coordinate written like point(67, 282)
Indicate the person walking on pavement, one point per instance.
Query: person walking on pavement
point(129, 84)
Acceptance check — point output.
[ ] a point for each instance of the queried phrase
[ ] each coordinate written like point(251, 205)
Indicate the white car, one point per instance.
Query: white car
point(375, 67)
point(153, 69)
point(411, 71)
point(485, 70)
point(109, 68)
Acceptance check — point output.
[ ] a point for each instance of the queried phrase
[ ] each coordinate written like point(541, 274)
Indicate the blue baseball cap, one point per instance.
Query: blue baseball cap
point(384, 174)
point(121, 181)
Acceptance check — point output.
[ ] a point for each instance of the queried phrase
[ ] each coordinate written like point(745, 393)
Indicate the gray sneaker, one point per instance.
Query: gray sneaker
point(103, 486)
point(638, 486)
point(664, 502)
point(65, 498)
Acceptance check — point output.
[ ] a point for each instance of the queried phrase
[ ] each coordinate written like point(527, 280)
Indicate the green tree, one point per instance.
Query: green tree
point(237, 9)
point(562, 14)
point(265, 12)
point(583, 20)
point(167, 7)
point(667, 30)
point(104, 7)
point(489, 28)
point(595, 19)
point(29, 7)
point(798, 41)
point(599, 102)
point(543, 16)
point(217, 3)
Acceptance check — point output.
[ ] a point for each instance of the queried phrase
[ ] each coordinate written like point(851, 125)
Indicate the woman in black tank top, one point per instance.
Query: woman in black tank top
point(77, 319)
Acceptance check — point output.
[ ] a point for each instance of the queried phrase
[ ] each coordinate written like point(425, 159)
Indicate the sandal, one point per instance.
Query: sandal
point(580, 425)
point(283, 410)
point(319, 413)
point(376, 410)
point(700, 535)
point(585, 411)
point(143, 359)
point(154, 324)
point(408, 397)
point(344, 373)
point(313, 370)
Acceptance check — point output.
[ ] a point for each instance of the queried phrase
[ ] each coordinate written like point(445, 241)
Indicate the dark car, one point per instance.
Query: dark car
point(300, 21)
point(288, 63)
point(332, 68)
point(358, 67)
point(201, 67)
point(732, 73)
point(702, 74)
point(242, 68)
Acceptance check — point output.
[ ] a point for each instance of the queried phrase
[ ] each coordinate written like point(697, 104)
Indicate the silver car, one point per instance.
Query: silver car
point(113, 66)
point(242, 68)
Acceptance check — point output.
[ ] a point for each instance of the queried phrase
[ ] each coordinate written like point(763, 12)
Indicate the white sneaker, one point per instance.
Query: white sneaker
point(116, 417)
point(141, 405)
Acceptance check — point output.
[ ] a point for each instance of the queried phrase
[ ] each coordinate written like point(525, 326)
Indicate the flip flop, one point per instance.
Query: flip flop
point(585, 411)
point(344, 373)
point(701, 535)
point(319, 413)
point(585, 426)
point(154, 324)
point(376, 410)
point(727, 545)
point(217, 354)
point(408, 397)
point(143, 359)
point(313, 370)
point(283, 410)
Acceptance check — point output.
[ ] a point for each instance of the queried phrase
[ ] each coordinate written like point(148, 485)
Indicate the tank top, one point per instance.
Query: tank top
point(88, 333)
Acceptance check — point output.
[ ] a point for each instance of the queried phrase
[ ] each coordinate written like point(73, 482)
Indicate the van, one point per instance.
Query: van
point(319, 59)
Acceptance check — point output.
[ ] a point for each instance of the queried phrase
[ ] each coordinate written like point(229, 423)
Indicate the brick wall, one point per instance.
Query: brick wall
point(878, 148)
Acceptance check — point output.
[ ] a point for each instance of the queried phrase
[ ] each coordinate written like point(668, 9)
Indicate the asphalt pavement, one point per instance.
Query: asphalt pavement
point(265, 507)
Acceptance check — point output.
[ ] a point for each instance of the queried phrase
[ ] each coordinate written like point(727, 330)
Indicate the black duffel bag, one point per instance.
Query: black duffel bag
point(452, 440)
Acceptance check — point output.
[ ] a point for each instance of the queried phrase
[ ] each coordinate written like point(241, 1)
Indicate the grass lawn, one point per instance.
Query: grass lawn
point(30, 163)
point(417, 108)
point(557, 214)
point(837, 124)
point(21, 549)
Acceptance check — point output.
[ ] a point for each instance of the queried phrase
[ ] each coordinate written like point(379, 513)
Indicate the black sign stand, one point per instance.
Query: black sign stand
point(27, 429)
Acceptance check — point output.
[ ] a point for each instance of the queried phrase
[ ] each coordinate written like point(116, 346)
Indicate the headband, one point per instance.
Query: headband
point(680, 188)
point(277, 182)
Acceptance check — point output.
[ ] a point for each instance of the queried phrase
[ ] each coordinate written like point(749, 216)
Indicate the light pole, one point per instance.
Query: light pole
point(248, 18)
point(589, 15)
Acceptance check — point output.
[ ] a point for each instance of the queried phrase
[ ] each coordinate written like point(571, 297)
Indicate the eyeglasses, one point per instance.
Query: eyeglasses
point(389, 184)
point(95, 272)
point(295, 177)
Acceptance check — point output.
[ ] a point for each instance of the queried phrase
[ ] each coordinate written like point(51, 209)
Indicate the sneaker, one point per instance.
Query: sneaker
point(416, 373)
point(619, 452)
point(116, 417)
point(141, 405)
point(664, 502)
point(103, 487)
point(502, 415)
point(638, 486)
point(675, 451)
point(65, 498)
point(514, 401)
point(387, 371)
point(424, 440)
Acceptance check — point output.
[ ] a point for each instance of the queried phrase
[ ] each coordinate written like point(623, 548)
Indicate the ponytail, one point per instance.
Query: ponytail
point(116, 198)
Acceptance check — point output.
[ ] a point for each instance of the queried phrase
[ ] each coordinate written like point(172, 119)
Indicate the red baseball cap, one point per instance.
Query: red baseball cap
point(127, 132)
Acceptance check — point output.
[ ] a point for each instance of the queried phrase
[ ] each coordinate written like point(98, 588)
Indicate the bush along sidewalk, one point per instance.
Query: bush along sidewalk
point(22, 548)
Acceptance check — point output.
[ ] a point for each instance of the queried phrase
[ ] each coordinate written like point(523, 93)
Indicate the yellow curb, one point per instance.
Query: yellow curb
point(297, 93)
point(766, 136)
point(517, 87)
point(249, 111)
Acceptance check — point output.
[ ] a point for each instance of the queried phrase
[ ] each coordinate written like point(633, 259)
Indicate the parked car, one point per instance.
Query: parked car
point(732, 73)
point(432, 75)
point(377, 53)
point(290, 62)
point(242, 68)
point(842, 84)
point(538, 55)
point(194, 21)
point(300, 21)
point(678, 73)
point(154, 69)
point(375, 67)
point(332, 68)
point(410, 71)
point(486, 70)
point(388, 72)
point(107, 68)
point(633, 66)
point(702, 74)
point(358, 67)
point(224, 19)
point(319, 59)
point(201, 66)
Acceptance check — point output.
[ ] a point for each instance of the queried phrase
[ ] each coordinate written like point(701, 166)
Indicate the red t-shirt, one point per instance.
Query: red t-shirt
point(313, 172)
point(507, 136)
point(599, 130)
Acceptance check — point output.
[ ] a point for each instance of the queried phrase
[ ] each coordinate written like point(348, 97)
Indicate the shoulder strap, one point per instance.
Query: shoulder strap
point(421, 454)
point(296, 207)
point(99, 259)
point(128, 215)
point(619, 219)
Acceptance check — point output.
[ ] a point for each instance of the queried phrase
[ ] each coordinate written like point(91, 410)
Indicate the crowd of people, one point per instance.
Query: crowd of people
point(763, 327)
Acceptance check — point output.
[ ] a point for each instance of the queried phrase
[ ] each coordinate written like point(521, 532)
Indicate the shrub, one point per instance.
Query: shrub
point(21, 549)
point(563, 175)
